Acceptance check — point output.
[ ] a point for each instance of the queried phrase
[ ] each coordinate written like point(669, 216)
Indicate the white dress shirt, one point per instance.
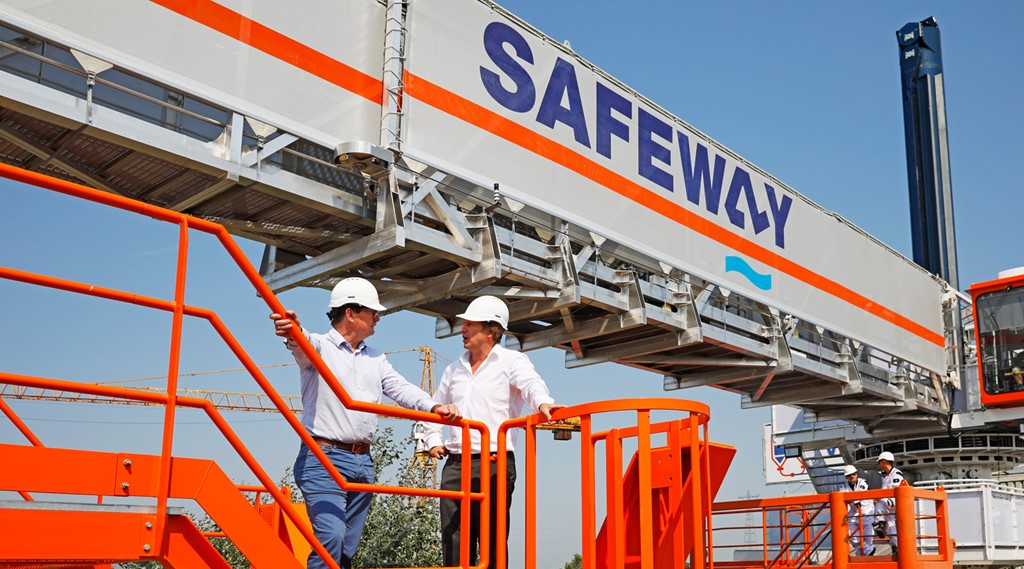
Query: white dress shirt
point(366, 375)
point(856, 508)
point(504, 382)
point(891, 480)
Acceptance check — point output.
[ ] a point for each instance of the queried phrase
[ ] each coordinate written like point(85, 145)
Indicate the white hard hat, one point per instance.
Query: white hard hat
point(886, 456)
point(486, 309)
point(849, 469)
point(355, 290)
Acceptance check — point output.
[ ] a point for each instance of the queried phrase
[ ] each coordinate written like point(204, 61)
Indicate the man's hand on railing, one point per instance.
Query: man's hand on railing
point(439, 452)
point(548, 408)
point(283, 324)
point(450, 412)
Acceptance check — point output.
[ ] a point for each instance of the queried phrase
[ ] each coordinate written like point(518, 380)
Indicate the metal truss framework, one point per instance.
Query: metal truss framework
point(431, 240)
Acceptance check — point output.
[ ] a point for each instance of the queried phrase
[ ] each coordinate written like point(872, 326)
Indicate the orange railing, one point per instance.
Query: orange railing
point(641, 530)
point(812, 531)
point(170, 399)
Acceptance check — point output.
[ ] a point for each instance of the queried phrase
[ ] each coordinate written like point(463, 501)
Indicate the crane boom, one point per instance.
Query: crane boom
point(222, 400)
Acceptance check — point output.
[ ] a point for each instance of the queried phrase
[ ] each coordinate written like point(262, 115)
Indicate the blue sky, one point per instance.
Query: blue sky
point(808, 91)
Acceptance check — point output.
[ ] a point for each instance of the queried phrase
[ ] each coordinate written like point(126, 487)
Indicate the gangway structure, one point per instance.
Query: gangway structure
point(338, 198)
point(445, 151)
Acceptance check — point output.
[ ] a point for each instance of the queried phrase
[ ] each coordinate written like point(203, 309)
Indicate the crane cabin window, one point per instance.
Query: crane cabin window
point(1000, 325)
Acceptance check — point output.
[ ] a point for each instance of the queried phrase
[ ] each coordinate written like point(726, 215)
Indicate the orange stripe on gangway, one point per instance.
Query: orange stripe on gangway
point(278, 45)
point(481, 117)
point(290, 51)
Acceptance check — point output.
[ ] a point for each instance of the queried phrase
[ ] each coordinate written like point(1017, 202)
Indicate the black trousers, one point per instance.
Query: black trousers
point(451, 479)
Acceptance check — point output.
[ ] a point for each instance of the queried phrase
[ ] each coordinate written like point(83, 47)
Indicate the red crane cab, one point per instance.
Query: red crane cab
point(998, 308)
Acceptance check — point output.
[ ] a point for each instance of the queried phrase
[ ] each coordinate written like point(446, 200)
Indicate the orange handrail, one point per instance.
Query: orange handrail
point(909, 500)
point(698, 416)
point(179, 310)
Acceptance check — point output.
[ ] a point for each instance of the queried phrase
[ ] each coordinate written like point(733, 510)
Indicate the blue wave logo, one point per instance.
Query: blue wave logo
point(741, 266)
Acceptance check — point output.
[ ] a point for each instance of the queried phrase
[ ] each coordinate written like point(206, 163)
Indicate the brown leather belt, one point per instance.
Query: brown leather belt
point(357, 448)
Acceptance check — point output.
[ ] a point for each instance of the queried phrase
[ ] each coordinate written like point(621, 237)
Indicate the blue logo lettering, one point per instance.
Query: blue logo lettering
point(563, 81)
point(780, 214)
point(607, 125)
point(697, 174)
point(648, 124)
point(703, 169)
point(496, 36)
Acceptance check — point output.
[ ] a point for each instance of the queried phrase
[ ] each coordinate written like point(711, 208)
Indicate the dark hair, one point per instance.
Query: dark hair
point(338, 312)
point(494, 329)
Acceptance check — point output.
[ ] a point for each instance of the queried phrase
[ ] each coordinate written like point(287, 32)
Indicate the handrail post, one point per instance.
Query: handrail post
point(172, 389)
point(906, 527)
point(466, 479)
point(840, 531)
point(616, 554)
point(942, 524)
point(588, 493)
point(705, 441)
point(646, 506)
point(697, 506)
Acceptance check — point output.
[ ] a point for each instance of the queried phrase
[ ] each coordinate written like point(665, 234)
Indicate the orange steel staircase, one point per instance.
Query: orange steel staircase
point(110, 533)
point(659, 506)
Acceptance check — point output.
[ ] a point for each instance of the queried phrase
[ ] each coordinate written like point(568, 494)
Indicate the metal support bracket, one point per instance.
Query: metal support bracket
point(93, 66)
point(629, 283)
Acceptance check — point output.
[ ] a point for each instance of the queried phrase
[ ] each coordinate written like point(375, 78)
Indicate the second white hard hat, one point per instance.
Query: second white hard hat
point(486, 309)
point(886, 456)
point(849, 469)
point(355, 290)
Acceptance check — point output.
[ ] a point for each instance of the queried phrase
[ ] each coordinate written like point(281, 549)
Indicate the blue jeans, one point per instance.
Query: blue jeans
point(337, 516)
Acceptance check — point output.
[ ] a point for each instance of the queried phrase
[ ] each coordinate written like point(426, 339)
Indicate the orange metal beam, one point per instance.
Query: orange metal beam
point(185, 547)
point(54, 536)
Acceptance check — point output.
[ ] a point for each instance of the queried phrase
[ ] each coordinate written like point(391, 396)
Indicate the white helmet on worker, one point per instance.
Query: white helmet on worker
point(486, 309)
point(355, 290)
point(886, 456)
point(849, 469)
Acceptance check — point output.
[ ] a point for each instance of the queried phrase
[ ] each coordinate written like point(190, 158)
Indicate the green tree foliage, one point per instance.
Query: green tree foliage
point(401, 531)
point(575, 563)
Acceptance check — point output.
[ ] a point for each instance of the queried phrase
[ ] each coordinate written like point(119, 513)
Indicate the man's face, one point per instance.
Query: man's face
point(474, 337)
point(884, 466)
point(852, 479)
point(365, 321)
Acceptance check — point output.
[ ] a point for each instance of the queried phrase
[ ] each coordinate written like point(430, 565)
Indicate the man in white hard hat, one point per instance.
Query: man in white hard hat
point(859, 514)
point(338, 516)
point(886, 507)
point(489, 384)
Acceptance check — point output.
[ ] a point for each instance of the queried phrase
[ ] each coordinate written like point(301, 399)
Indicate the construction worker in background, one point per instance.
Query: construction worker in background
point(489, 384)
point(338, 516)
point(886, 507)
point(859, 514)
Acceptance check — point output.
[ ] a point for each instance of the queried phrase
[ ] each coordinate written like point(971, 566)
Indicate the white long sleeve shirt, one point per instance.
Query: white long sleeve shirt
point(366, 375)
point(863, 508)
point(891, 480)
point(504, 382)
